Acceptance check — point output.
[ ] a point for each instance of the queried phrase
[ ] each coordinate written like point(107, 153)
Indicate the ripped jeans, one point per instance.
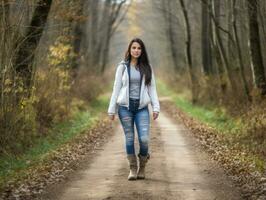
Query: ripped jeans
point(139, 117)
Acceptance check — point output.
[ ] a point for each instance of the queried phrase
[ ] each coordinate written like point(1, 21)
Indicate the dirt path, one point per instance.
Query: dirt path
point(178, 169)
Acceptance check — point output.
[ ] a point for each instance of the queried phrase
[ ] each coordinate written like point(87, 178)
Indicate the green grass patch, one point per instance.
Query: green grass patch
point(215, 117)
point(99, 105)
point(13, 165)
point(163, 89)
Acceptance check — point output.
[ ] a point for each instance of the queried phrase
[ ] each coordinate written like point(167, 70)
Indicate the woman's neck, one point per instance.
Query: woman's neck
point(133, 61)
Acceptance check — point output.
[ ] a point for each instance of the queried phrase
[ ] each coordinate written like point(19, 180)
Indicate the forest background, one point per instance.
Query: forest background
point(58, 58)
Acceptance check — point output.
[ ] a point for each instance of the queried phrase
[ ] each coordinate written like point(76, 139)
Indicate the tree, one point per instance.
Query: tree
point(239, 53)
point(220, 44)
point(188, 53)
point(255, 48)
point(168, 16)
point(113, 17)
point(27, 47)
point(206, 35)
point(103, 19)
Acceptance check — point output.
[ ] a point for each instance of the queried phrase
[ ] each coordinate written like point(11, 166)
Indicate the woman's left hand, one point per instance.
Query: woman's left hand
point(155, 115)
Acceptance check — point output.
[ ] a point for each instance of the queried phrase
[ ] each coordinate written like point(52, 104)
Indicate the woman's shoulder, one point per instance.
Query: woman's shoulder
point(121, 64)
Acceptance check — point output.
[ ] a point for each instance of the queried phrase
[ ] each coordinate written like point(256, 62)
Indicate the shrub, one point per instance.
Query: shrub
point(17, 116)
point(87, 86)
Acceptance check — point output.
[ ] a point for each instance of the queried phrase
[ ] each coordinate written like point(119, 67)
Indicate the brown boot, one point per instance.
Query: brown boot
point(133, 166)
point(142, 162)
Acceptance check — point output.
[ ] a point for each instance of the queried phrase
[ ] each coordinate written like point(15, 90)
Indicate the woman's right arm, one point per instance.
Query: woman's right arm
point(116, 89)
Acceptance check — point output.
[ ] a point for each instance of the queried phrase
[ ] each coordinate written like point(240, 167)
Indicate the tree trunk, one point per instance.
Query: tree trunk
point(206, 43)
point(78, 33)
point(4, 25)
point(239, 53)
point(223, 53)
point(107, 23)
point(231, 53)
point(25, 55)
point(169, 31)
point(93, 41)
point(217, 53)
point(255, 48)
point(193, 78)
point(112, 18)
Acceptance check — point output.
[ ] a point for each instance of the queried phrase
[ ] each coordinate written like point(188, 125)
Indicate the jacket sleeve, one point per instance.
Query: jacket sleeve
point(116, 89)
point(153, 94)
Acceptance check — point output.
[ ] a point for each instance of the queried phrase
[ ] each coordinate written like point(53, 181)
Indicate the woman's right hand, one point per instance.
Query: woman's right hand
point(111, 117)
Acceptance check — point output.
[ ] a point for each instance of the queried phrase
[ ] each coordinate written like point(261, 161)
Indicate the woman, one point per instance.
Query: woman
point(134, 88)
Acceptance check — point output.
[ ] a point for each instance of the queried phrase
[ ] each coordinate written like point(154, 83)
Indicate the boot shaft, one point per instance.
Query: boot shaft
point(133, 166)
point(143, 160)
point(132, 161)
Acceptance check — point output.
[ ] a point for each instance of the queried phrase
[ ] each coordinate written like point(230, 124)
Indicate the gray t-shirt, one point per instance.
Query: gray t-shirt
point(134, 83)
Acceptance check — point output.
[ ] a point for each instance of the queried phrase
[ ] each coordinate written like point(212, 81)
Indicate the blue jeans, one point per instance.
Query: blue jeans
point(139, 117)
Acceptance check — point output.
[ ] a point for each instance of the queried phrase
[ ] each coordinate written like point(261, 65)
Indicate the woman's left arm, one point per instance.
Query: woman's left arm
point(153, 94)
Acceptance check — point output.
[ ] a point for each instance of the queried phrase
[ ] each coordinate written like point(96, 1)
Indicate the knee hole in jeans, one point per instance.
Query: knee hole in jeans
point(144, 140)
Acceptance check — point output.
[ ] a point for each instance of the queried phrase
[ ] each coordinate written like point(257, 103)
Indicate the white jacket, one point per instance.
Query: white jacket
point(120, 94)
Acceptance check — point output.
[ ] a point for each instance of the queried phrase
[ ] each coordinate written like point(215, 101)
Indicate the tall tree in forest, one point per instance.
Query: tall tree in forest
point(92, 50)
point(168, 16)
point(239, 53)
point(218, 28)
point(103, 19)
point(255, 48)
point(193, 78)
point(113, 17)
point(216, 40)
point(28, 45)
point(205, 35)
point(77, 23)
point(231, 51)
point(4, 23)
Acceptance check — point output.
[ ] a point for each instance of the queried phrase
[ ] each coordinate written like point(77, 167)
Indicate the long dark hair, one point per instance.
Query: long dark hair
point(143, 61)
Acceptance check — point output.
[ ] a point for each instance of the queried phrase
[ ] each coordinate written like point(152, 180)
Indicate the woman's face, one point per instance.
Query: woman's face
point(135, 50)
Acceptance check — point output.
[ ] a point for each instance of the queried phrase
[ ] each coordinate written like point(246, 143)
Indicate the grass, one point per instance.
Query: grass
point(13, 165)
point(163, 89)
point(98, 105)
point(217, 118)
point(213, 117)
